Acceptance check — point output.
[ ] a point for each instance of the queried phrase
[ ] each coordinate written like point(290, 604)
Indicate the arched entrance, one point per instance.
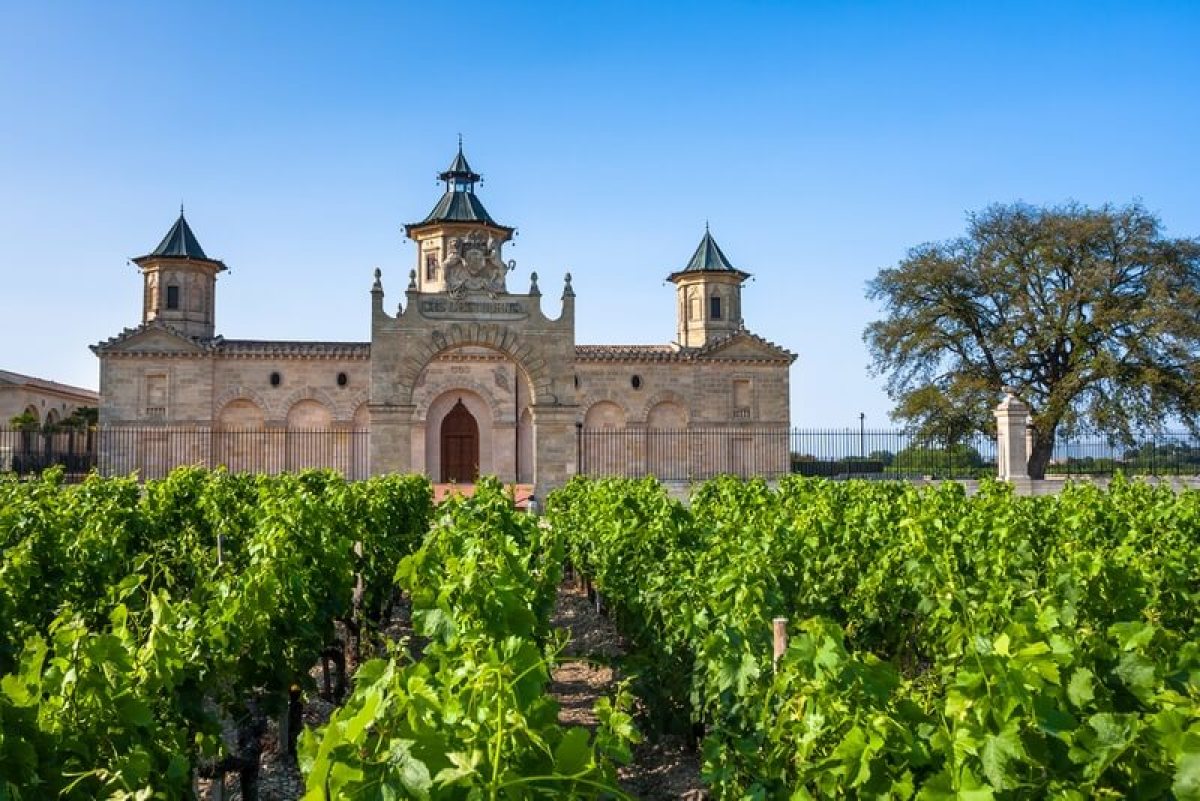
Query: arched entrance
point(460, 445)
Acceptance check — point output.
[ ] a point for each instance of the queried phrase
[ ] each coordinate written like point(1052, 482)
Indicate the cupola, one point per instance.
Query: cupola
point(179, 281)
point(458, 217)
point(708, 293)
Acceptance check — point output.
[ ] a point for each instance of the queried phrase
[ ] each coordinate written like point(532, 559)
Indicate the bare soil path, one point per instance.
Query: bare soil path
point(589, 670)
point(661, 769)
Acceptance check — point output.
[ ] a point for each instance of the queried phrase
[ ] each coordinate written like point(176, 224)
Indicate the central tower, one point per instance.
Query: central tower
point(470, 376)
point(459, 241)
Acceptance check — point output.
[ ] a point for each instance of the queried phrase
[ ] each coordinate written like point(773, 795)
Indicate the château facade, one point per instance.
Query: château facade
point(465, 375)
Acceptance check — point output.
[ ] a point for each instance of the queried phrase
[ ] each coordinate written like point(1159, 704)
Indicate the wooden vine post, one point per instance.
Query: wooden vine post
point(779, 639)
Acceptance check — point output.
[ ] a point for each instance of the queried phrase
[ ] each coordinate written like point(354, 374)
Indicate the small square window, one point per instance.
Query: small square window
point(172, 297)
point(714, 308)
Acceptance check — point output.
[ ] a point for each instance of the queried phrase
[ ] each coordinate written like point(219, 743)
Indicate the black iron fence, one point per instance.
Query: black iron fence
point(699, 453)
point(702, 452)
point(29, 452)
point(153, 451)
point(672, 455)
point(683, 455)
point(1159, 454)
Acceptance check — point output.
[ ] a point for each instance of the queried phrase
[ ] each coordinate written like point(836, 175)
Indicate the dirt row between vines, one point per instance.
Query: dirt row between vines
point(588, 671)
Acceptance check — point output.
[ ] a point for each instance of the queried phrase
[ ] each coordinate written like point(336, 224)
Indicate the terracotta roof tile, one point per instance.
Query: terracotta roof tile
point(261, 347)
point(623, 352)
point(22, 380)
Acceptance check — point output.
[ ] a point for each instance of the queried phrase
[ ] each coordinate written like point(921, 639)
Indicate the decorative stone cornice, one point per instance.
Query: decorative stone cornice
point(254, 348)
point(105, 347)
point(640, 353)
point(674, 353)
point(231, 348)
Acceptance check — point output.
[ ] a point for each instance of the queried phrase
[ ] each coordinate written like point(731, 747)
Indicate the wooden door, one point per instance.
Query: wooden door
point(460, 446)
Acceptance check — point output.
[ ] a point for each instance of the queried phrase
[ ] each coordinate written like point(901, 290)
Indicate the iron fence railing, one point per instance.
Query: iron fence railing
point(687, 454)
point(153, 451)
point(1170, 453)
point(700, 452)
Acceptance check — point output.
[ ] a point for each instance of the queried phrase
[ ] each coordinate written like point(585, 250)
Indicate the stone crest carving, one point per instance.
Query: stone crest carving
point(474, 266)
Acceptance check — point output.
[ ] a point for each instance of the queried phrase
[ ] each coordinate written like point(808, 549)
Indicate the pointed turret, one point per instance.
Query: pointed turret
point(458, 216)
point(180, 282)
point(460, 170)
point(180, 242)
point(708, 258)
point(709, 294)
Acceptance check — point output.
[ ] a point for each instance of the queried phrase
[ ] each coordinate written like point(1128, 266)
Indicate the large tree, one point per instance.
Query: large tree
point(1092, 315)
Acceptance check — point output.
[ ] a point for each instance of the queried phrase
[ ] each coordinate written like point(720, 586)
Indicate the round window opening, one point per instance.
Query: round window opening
point(342, 380)
point(276, 379)
point(636, 382)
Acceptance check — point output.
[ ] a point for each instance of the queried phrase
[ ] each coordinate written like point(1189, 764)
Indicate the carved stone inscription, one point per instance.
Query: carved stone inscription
point(496, 309)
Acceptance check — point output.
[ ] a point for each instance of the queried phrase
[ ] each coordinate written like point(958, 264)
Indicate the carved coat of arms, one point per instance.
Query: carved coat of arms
point(474, 266)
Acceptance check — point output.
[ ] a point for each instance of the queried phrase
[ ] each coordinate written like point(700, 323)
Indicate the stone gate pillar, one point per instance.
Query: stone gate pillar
point(391, 438)
point(1012, 454)
point(555, 447)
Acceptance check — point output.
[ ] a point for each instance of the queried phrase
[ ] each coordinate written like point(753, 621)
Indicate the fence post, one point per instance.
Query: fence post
point(779, 637)
point(578, 449)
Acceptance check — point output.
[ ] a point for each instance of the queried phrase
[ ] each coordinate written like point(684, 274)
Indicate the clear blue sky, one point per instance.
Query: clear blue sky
point(822, 140)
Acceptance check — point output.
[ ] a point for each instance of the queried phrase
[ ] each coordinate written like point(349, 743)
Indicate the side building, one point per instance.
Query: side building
point(467, 376)
point(46, 403)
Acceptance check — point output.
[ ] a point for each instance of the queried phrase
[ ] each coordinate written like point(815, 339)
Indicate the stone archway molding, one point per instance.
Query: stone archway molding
point(242, 393)
point(310, 393)
point(346, 411)
point(500, 338)
point(513, 325)
point(603, 397)
point(666, 396)
point(427, 395)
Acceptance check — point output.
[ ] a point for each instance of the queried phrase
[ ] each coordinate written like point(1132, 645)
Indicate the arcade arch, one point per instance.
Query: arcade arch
point(667, 441)
point(239, 442)
point(309, 439)
point(496, 391)
point(606, 446)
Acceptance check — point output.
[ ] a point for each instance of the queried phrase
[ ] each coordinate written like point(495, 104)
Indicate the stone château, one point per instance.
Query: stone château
point(466, 376)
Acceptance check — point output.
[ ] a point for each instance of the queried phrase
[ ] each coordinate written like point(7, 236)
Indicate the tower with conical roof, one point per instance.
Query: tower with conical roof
point(708, 293)
point(458, 221)
point(180, 282)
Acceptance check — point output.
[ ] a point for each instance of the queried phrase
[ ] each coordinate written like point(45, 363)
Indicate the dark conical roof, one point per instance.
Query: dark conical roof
point(459, 203)
point(459, 207)
point(709, 258)
point(180, 242)
point(459, 168)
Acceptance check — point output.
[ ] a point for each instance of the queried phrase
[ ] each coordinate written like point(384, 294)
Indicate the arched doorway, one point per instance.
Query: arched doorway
point(460, 445)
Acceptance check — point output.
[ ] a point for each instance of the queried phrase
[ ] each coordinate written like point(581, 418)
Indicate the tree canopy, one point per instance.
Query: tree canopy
point(1092, 315)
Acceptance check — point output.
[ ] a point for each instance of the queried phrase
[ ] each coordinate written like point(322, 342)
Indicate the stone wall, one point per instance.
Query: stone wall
point(205, 389)
point(705, 389)
point(142, 389)
point(48, 404)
